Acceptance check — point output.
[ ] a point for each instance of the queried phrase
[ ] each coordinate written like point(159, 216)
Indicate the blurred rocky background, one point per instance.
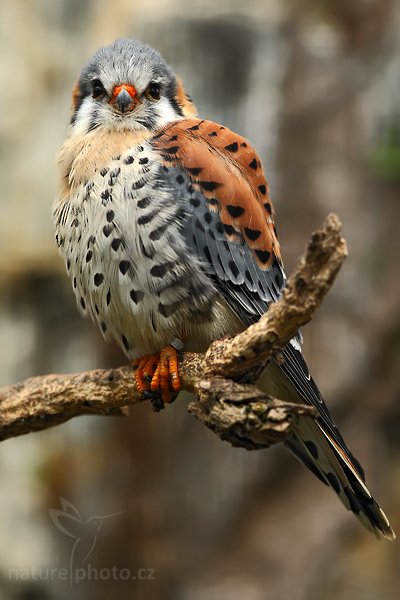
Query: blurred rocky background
point(315, 85)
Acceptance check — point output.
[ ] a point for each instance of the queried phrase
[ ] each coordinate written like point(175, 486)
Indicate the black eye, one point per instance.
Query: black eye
point(97, 89)
point(154, 90)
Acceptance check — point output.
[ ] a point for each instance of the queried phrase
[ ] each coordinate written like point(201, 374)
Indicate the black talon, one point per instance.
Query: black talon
point(155, 400)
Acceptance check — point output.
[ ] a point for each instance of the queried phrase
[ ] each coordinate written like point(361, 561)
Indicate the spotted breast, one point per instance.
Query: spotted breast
point(121, 226)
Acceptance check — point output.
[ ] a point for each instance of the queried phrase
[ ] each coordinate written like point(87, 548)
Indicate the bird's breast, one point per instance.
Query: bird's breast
point(121, 234)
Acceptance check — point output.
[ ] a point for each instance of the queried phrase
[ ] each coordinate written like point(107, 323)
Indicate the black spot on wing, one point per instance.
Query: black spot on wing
point(279, 279)
point(334, 482)
point(195, 202)
point(262, 189)
point(252, 234)
point(229, 229)
point(263, 255)
point(194, 170)
point(171, 150)
point(296, 446)
point(235, 211)
point(312, 448)
point(234, 269)
point(209, 186)
point(253, 164)
point(354, 503)
point(232, 147)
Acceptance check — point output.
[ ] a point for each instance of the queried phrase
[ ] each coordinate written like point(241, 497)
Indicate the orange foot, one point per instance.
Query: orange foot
point(157, 375)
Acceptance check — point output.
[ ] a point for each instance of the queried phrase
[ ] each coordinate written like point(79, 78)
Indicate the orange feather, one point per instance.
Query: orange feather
point(227, 170)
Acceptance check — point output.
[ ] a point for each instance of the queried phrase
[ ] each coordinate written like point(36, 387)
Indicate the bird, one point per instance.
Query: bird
point(167, 229)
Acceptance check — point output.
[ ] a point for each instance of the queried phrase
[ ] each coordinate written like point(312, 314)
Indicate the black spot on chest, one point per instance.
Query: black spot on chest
point(159, 270)
point(107, 229)
point(125, 342)
point(136, 296)
point(98, 279)
point(115, 244)
point(124, 266)
point(144, 202)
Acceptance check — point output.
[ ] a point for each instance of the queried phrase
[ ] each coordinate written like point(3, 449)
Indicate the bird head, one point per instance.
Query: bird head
point(127, 86)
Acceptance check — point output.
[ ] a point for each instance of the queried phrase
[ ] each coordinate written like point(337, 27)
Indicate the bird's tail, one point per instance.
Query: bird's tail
point(312, 443)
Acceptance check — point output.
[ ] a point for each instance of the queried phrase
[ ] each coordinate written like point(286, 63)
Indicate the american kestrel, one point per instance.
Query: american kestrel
point(167, 229)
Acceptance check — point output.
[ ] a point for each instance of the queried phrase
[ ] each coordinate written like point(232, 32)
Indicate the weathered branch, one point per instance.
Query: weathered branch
point(222, 379)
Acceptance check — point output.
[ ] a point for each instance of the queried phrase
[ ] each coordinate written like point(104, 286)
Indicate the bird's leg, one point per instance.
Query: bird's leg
point(157, 375)
point(145, 368)
point(166, 374)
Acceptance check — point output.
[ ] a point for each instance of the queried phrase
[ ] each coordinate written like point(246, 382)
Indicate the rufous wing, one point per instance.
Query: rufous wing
point(227, 170)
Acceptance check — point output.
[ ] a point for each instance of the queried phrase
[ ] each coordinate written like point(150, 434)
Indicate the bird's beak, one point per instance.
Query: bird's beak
point(124, 98)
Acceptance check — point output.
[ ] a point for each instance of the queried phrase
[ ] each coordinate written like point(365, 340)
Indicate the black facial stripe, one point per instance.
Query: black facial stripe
point(170, 94)
point(93, 121)
point(176, 106)
point(80, 98)
point(85, 89)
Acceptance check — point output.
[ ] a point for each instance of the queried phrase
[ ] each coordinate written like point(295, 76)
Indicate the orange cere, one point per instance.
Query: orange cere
point(124, 86)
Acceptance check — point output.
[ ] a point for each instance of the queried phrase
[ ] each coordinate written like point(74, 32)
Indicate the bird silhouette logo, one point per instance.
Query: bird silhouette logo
point(83, 531)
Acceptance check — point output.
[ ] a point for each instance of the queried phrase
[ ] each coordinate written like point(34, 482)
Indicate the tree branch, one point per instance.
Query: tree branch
point(227, 401)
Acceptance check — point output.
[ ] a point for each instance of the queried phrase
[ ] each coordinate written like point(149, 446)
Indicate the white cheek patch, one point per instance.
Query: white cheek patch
point(166, 112)
point(83, 117)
